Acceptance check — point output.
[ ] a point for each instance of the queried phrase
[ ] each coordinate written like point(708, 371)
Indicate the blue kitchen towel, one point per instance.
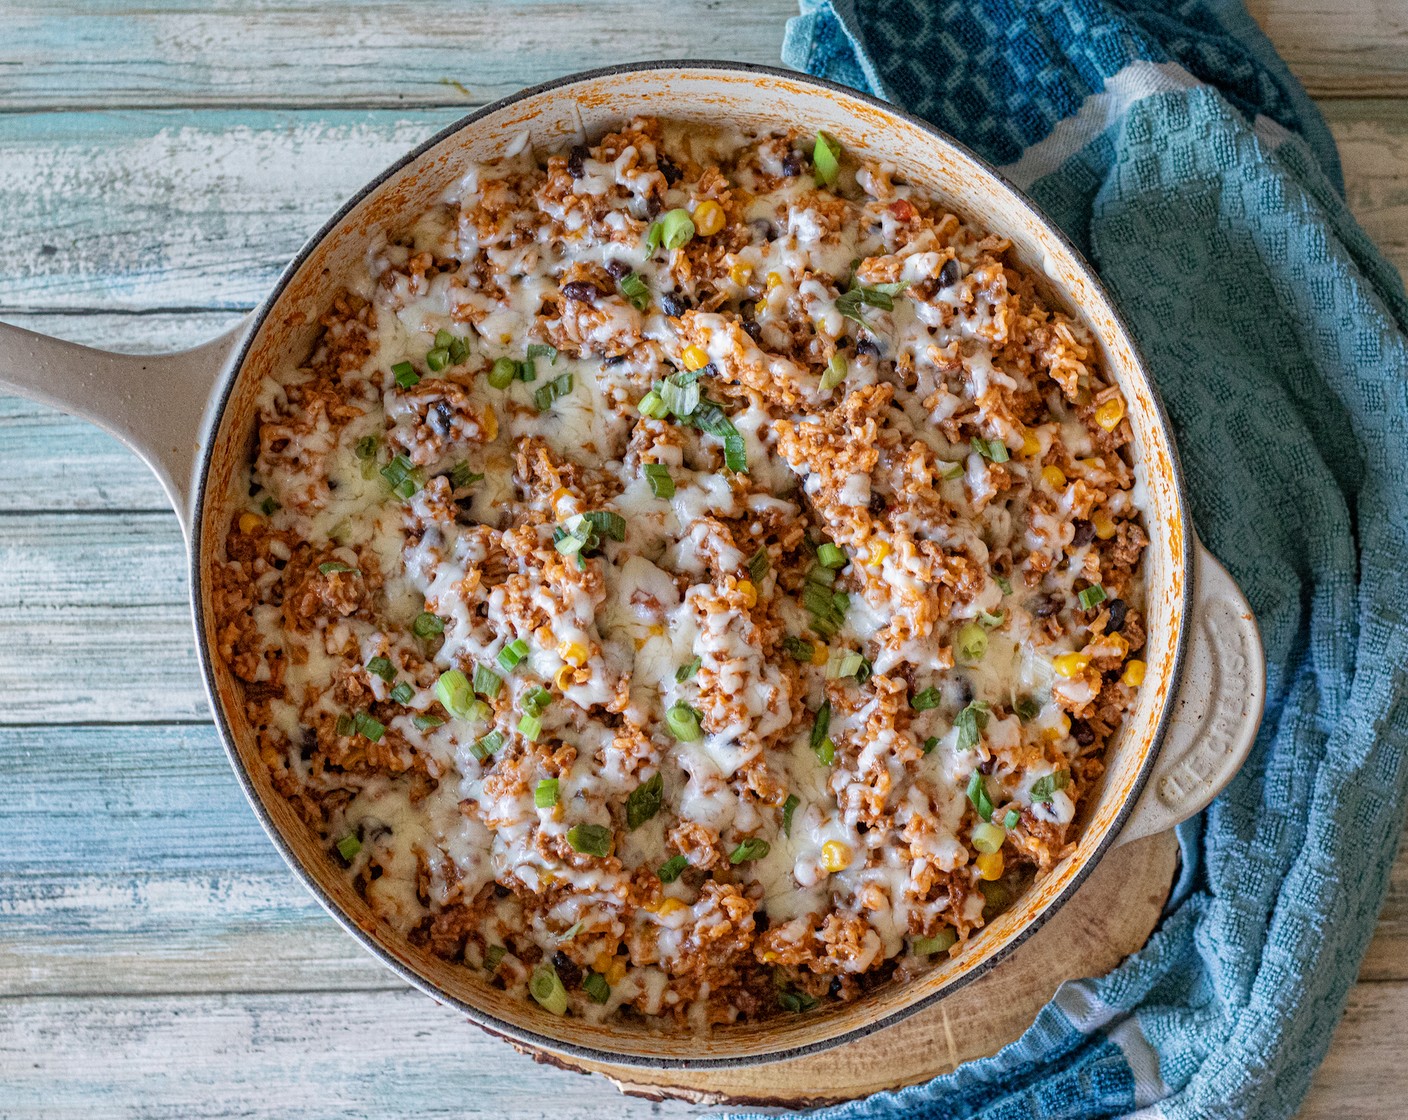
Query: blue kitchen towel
point(1173, 146)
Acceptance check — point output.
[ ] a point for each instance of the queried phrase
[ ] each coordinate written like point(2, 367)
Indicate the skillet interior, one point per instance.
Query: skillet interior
point(556, 116)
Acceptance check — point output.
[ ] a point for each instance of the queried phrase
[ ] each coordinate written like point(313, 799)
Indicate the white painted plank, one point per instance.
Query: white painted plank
point(94, 623)
point(315, 1056)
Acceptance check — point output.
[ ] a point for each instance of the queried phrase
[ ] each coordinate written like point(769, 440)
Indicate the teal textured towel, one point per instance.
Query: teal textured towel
point(1172, 145)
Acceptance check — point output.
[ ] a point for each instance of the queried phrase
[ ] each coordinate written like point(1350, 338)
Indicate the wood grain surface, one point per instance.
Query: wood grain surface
point(159, 162)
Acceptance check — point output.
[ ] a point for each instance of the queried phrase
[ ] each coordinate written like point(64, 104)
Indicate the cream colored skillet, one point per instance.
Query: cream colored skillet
point(191, 416)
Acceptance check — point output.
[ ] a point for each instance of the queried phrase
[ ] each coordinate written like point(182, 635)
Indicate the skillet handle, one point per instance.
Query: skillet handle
point(1217, 708)
point(157, 404)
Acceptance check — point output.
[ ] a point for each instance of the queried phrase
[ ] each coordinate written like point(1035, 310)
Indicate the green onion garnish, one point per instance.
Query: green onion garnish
point(268, 506)
point(788, 808)
point(348, 847)
point(595, 985)
point(403, 693)
point(590, 839)
point(794, 999)
point(452, 690)
point(755, 847)
point(672, 229)
point(711, 419)
point(545, 793)
point(843, 663)
point(332, 567)
point(653, 406)
point(978, 795)
point(493, 955)
point(559, 386)
point(530, 727)
point(661, 484)
point(971, 722)
point(684, 672)
point(929, 744)
point(758, 565)
point(821, 726)
point(826, 753)
point(487, 682)
point(949, 471)
point(1044, 788)
point(542, 350)
point(403, 478)
point(1012, 819)
point(344, 724)
point(502, 373)
point(635, 290)
point(1092, 596)
point(825, 159)
point(972, 643)
point(988, 837)
point(829, 555)
point(836, 371)
point(366, 447)
point(367, 727)
point(991, 621)
point(608, 522)
point(851, 304)
point(486, 745)
point(406, 375)
point(671, 869)
point(941, 942)
point(546, 987)
point(1004, 583)
point(425, 723)
point(444, 340)
point(437, 359)
point(427, 625)
point(644, 801)
point(923, 701)
point(382, 668)
point(1026, 708)
point(536, 700)
point(512, 654)
point(461, 476)
point(797, 648)
point(993, 449)
point(680, 393)
point(683, 722)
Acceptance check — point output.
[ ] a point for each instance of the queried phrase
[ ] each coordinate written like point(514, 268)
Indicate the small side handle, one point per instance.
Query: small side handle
point(1216, 710)
point(156, 404)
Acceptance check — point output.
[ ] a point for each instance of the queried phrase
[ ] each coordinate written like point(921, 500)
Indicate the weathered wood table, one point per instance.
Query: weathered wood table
point(158, 164)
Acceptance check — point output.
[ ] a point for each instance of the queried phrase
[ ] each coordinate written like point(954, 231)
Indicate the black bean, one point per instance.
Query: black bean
point(867, 345)
point(375, 871)
point(441, 418)
point(668, 169)
point(1083, 732)
point(614, 360)
point(761, 921)
point(575, 160)
point(753, 329)
point(1047, 606)
point(279, 564)
point(618, 269)
point(948, 275)
point(834, 991)
point(501, 891)
point(567, 969)
point(877, 504)
point(1118, 608)
point(792, 165)
point(1084, 534)
point(674, 305)
point(765, 228)
point(581, 291)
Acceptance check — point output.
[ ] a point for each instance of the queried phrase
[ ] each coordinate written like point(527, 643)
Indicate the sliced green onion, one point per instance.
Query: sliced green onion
point(829, 555)
point(1026, 708)
point(542, 350)
point(545, 986)
point(607, 522)
point(991, 621)
point(332, 567)
point(590, 839)
point(453, 691)
point(403, 693)
point(406, 375)
point(923, 701)
point(735, 453)
point(949, 471)
point(653, 406)
point(794, 999)
point(941, 942)
point(487, 682)
point(836, 371)
point(988, 837)
point(425, 723)
point(1011, 819)
point(661, 484)
point(971, 722)
point(536, 700)
point(344, 725)
point(758, 565)
point(268, 506)
point(826, 752)
point(366, 447)
point(821, 726)
point(503, 372)
point(684, 672)
point(683, 722)
point(755, 847)
point(842, 663)
point(428, 625)
point(978, 795)
point(530, 727)
point(438, 359)
point(459, 350)
point(671, 869)
point(483, 747)
point(443, 339)
point(825, 159)
point(493, 955)
point(559, 386)
point(972, 643)
point(382, 668)
point(525, 371)
point(993, 449)
point(851, 304)
point(570, 932)
point(595, 985)
point(348, 847)
point(929, 744)
point(1004, 583)
point(545, 793)
point(403, 477)
point(1044, 788)
point(673, 229)
point(510, 656)
point(681, 397)
point(644, 801)
point(367, 727)
point(635, 289)
point(1092, 596)
point(461, 476)
point(788, 808)
point(798, 649)
point(710, 418)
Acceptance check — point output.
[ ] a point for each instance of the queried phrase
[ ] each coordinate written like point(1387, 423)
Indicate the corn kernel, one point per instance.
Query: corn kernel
point(769, 956)
point(1133, 673)
point(760, 309)
point(603, 961)
point(878, 551)
point(694, 357)
point(1109, 414)
point(820, 653)
point(1030, 444)
point(1104, 524)
point(835, 856)
point(563, 678)
point(748, 591)
point(773, 281)
point(1054, 477)
point(1116, 642)
point(616, 973)
point(990, 865)
point(740, 272)
point(708, 218)
point(574, 653)
point(666, 906)
point(1070, 665)
point(491, 422)
point(559, 812)
point(249, 522)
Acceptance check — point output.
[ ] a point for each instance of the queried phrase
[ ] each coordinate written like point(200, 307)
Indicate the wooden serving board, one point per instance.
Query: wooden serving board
point(1110, 916)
